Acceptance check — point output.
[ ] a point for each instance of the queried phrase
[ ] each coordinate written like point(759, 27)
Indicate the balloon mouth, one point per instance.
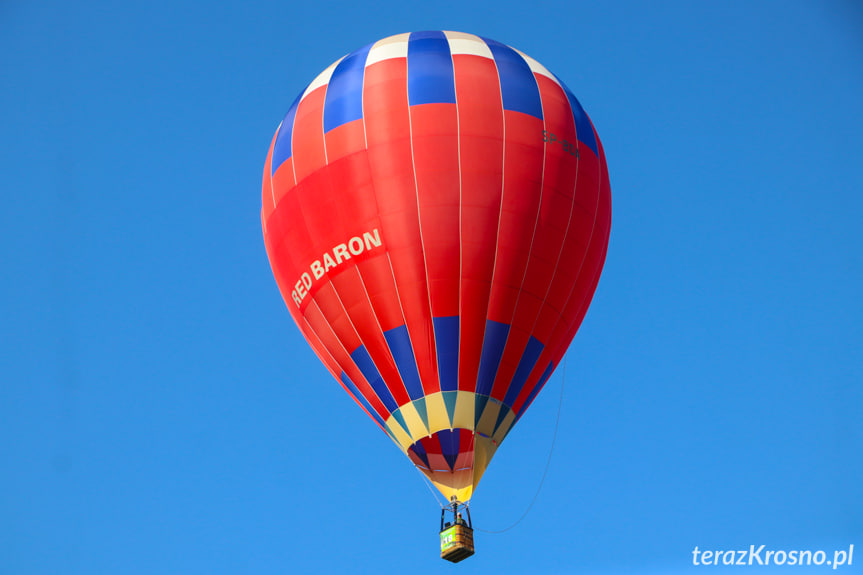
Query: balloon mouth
point(454, 460)
point(450, 437)
point(447, 450)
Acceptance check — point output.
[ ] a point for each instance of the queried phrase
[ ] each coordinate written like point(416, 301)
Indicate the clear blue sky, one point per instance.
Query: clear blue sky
point(160, 413)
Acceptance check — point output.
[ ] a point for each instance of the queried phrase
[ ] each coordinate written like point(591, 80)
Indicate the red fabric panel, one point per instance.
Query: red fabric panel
point(434, 135)
point(328, 361)
point(335, 314)
point(353, 210)
point(388, 126)
point(480, 118)
point(312, 219)
point(331, 218)
point(347, 139)
point(523, 157)
point(588, 277)
point(465, 457)
point(575, 248)
point(268, 203)
point(523, 162)
point(416, 460)
point(358, 211)
point(380, 286)
point(352, 295)
point(307, 140)
point(568, 267)
point(322, 220)
point(595, 260)
point(273, 239)
point(334, 347)
point(283, 230)
point(283, 180)
point(556, 203)
point(438, 462)
point(309, 222)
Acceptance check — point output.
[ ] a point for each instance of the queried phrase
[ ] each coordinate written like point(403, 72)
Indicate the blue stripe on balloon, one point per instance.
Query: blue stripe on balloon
point(546, 374)
point(420, 452)
point(518, 87)
point(449, 444)
point(430, 73)
point(282, 147)
point(344, 100)
point(492, 350)
point(355, 392)
point(446, 342)
point(403, 353)
point(370, 372)
point(583, 127)
point(525, 366)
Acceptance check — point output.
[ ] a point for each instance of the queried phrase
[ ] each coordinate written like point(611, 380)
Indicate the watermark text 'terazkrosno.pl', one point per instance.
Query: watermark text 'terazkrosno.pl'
point(760, 555)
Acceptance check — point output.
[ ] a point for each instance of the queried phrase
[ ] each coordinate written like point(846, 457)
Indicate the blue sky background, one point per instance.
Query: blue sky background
point(160, 413)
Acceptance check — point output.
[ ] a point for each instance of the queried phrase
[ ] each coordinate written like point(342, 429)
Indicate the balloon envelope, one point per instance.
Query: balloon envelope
point(436, 211)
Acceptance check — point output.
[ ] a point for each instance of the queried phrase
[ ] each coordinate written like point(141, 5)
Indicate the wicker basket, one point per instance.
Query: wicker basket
point(456, 543)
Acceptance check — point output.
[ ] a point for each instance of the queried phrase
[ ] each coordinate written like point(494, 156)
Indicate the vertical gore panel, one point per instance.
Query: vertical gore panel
point(584, 284)
point(387, 120)
point(346, 140)
point(432, 448)
point(348, 284)
point(586, 194)
point(434, 137)
point(465, 447)
point(282, 181)
point(545, 375)
point(519, 210)
point(420, 452)
point(308, 139)
point(282, 147)
point(403, 353)
point(381, 289)
point(582, 122)
point(492, 349)
point(525, 366)
point(317, 209)
point(594, 258)
point(481, 129)
point(370, 372)
point(430, 76)
point(348, 214)
point(281, 246)
point(324, 333)
point(268, 200)
point(517, 84)
point(344, 101)
point(446, 337)
point(558, 175)
point(358, 397)
point(361, 174)
point(449, 444)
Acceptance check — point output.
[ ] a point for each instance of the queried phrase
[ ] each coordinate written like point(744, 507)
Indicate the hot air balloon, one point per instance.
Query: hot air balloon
point(436, 212)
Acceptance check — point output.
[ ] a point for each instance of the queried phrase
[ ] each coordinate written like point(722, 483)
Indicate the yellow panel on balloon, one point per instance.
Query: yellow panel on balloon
point(465, 410)
point(438, 416)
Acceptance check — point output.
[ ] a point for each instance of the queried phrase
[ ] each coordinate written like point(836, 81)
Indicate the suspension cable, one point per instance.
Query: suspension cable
point(431, 488)
point(547, 463)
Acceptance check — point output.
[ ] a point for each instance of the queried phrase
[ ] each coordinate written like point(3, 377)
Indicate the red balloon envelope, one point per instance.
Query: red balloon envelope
point(436, 211)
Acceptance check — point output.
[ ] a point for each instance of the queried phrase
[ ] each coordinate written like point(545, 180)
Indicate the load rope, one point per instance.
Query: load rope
point(548, 461)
